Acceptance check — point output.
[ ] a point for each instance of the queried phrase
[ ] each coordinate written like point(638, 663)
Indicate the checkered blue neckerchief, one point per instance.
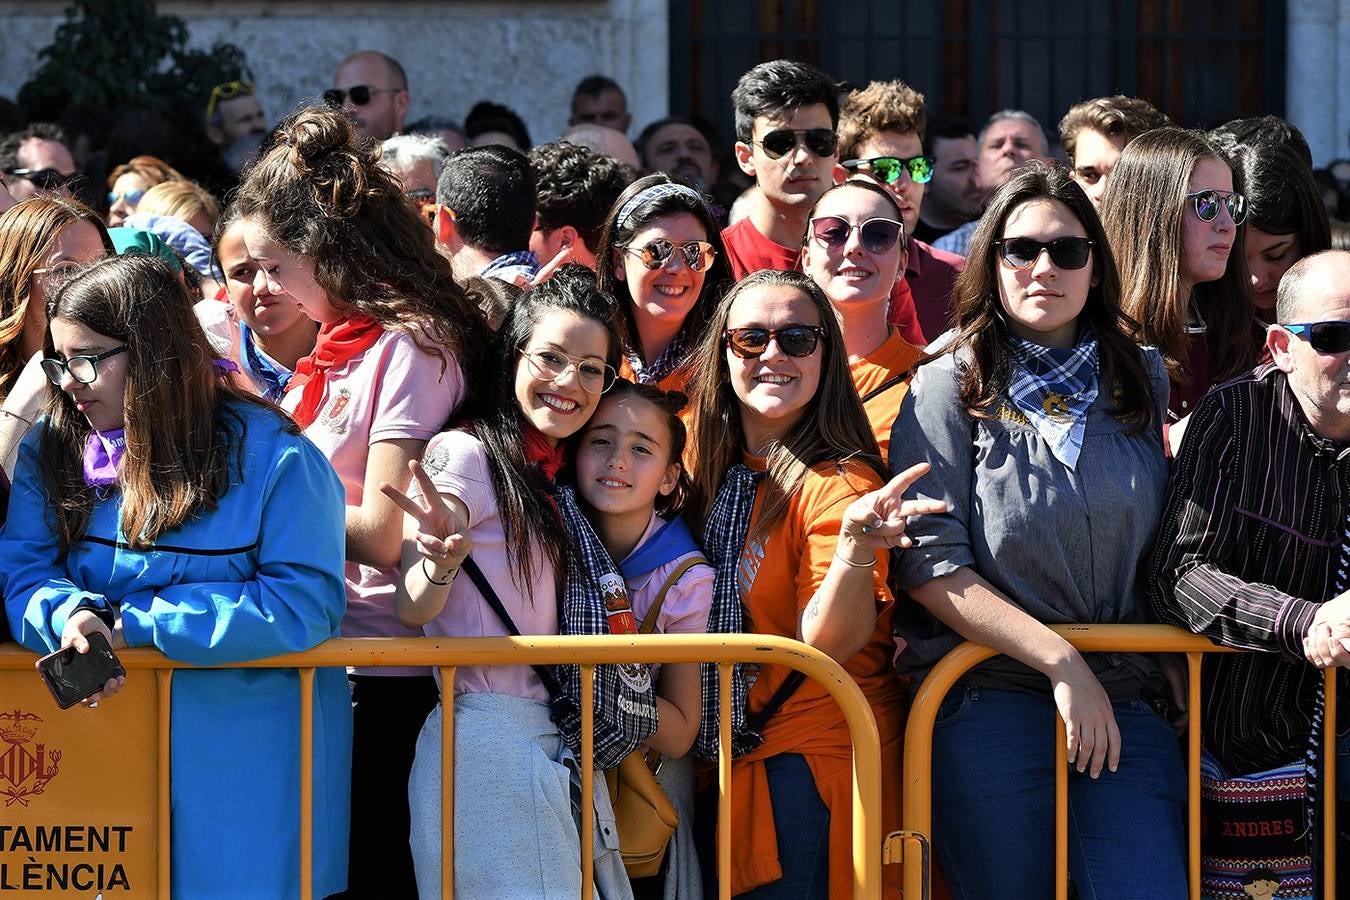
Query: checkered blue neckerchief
point(723, 543)
point(625, 704)
point(1055, 389)
point(666, 362)
point(507, 266)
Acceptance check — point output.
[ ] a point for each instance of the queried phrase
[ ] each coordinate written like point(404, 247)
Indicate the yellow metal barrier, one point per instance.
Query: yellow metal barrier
point(446, 653)
point(917, 814)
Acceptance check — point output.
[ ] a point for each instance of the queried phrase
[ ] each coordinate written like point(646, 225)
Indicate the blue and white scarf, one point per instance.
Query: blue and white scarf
point(666, 362)
point(510, 265)
point(1054, 389)
point(724, 541)
point(625, 703)
point(267, 374)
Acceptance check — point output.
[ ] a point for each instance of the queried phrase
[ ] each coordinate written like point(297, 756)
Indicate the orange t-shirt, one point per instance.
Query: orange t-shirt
point(895, 357)
point(778, 574)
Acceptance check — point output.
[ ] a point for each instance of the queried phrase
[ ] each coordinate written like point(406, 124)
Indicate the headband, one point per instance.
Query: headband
point(651, 195)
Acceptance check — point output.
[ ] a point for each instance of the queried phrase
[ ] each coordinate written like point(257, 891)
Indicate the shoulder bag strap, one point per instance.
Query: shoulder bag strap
point(485, 588)
point(649, 623)
point(885, 386)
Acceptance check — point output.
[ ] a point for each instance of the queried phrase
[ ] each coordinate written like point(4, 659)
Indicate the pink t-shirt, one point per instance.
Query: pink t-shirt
point(687, 603)
point(457, 464)
point(393, 391)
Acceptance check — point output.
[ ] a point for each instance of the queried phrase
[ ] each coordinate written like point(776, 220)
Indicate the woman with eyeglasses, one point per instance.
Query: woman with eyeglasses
point(1172, 211)
point(326, 225)
point(661, 257)
point(42, 239)
point(488, 494)
point(129, 182)
point(156, 505)
point(788, 490)
point(1041, 419)
point(854, 250)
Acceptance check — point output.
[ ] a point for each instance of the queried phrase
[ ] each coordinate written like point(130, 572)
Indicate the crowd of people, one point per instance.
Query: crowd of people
point(870, 383)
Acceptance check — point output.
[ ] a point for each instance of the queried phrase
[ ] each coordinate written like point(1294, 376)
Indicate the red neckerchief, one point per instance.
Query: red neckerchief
point(337, 343)
point(539, 451)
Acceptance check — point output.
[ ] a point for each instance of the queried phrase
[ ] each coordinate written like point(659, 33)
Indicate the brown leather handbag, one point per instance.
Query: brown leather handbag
point(644, 814)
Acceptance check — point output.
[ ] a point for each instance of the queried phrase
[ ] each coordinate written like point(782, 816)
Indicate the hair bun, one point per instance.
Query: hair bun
point(323, 150)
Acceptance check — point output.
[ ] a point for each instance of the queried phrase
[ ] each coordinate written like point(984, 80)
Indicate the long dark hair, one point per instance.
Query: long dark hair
point(183, 444)
point(320, 192)
point(1143, 211)
point(615, 238)
point(1282, 197)
point(832, 426)
point(982, 326)
point(529, 520)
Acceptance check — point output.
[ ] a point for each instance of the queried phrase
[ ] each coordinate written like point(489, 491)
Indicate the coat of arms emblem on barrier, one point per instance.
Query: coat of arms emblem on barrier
point(24, 770)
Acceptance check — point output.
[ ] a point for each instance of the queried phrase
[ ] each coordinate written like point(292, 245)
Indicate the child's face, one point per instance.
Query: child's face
point(624, 461)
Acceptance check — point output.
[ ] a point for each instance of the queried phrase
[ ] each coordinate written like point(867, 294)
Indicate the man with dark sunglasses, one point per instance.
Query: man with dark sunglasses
point(373, 88)
point(1254, 531)
point(881, 131)
point(37, 160)
point(786, 115)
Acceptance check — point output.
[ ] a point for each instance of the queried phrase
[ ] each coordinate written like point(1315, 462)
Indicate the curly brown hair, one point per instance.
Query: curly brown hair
point(881, 106)
point(320, 192)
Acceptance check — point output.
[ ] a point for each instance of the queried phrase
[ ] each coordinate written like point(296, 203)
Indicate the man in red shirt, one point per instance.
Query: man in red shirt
point(881, 130)
point(786, 114)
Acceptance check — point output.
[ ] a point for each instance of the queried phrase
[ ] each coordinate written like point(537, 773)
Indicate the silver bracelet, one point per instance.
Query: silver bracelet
point(851, 564)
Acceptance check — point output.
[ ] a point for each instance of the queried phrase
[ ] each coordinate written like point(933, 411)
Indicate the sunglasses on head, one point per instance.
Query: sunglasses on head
point(1065, 252)
point(697, 255)
point(1207, 205)
point(794, 340)
point(360, 94)
point(877, 235)
point(887, 169)
point(1324, 337)
point(227, 90)
point(43, 179)
point(781, 141)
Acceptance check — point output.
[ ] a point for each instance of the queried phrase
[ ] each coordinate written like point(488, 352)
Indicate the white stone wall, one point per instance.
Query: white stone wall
point(528, 55)
point(1317, 75)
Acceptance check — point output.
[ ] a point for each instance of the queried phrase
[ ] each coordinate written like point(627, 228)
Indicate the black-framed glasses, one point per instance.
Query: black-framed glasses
point(1207, 203)
point(1065, 252)
point(888, 169)
point(1324, 337)
point(781, 141)
point(550, 365)
point(83, 368)
point(226, 90)
point(794, 340)
point(360, 94)
point(44, 179)
point(697, 255)
point(877, 235)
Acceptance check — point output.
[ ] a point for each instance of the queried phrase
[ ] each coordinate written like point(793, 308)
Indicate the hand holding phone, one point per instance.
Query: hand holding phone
point(84, 670)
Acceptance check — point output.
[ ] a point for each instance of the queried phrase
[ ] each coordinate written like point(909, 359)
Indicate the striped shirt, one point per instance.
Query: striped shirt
point(1247, 550)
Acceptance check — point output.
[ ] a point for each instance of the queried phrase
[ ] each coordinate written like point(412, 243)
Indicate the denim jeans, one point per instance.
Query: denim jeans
point(802, 823)
point(994, 803)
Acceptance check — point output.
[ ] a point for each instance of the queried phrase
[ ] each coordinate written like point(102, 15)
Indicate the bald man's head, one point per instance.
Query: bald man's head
point(373, 88)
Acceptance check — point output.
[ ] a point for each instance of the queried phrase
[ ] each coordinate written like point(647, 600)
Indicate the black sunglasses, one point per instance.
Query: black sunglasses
point(887, 169)
point(43, 179)
point(781, 141)
point(1325, 337)
point(877, 235)
point(1207, 205)
point(1065, 252)
point(697, 255)
point(360, 94)
point(794, 340)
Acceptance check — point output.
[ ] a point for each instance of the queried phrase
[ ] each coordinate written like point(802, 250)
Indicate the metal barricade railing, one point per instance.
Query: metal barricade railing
point(447, 653)
point(917, 813)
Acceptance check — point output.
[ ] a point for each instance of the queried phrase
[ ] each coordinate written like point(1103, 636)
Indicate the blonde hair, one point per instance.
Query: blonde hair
point(881, 106)
point(180, 200)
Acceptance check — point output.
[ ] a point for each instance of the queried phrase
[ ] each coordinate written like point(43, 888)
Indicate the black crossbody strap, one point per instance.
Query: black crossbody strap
point(485, 588)
point(761, 717)
point(885, 386)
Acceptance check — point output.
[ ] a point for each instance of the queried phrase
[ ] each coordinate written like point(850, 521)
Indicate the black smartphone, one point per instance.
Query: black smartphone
point(72, 676)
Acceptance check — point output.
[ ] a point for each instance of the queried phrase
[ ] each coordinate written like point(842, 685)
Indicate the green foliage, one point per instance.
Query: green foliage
point(121, 55)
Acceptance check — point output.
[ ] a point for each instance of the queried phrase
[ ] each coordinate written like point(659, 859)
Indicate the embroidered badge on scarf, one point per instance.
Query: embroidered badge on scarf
point(1054, 389)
